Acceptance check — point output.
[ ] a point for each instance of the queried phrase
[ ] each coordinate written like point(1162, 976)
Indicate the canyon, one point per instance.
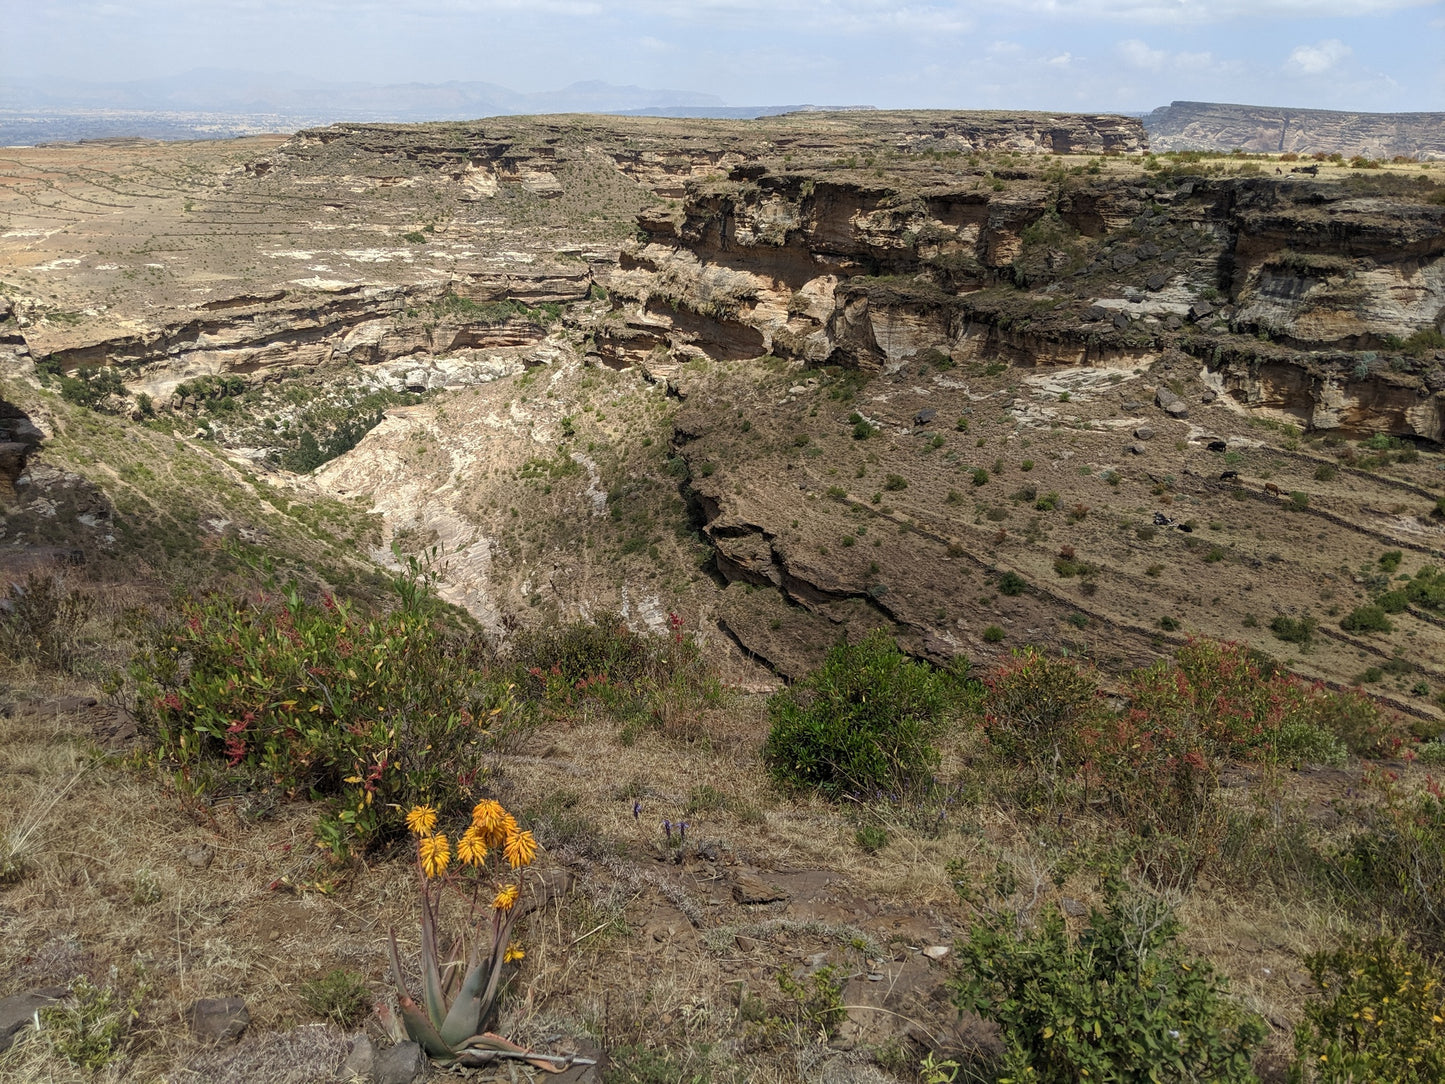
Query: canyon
point(669, 325)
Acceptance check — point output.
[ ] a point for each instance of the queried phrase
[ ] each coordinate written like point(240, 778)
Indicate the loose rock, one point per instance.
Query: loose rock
point(1143, 432)
point(750, 889)
point(403, 1063)
point(219, 1019)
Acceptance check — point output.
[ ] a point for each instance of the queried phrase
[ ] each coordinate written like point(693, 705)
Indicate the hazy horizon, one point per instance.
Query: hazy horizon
point(1063, 55)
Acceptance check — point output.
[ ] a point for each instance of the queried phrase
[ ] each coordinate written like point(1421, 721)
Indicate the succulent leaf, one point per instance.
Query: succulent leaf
point(466, 1011)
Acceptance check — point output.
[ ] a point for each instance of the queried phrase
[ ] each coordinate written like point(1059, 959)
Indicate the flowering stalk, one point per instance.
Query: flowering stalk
point(455, 1007)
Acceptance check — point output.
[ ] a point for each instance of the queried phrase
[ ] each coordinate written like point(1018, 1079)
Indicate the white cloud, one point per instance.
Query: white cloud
point(1318, 58)
point(1137, 54)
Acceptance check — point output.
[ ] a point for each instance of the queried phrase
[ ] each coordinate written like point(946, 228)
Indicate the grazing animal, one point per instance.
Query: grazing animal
point(1229, 476)
point(1217, 446)
point(1313, 171)
point(1185, 528)
point(1270, 487)
point(1161, 520)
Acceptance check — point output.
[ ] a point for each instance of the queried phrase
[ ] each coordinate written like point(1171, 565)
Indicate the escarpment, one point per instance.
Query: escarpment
point(1187, 126)
point(1342, 283)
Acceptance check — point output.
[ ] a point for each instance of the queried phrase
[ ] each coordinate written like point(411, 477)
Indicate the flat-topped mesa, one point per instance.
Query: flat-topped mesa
point(1211, 126)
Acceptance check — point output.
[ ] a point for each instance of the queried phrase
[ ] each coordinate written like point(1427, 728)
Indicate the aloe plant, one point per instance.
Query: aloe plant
point(459, 995)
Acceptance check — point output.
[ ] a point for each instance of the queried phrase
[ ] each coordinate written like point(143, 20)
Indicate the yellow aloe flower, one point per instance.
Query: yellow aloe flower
point(514, 952)
point(487, 816)
point(422, 819)
point(505, 827)
point(435, 854)
point(472, 848)
point(520, 849)
point(506, 897)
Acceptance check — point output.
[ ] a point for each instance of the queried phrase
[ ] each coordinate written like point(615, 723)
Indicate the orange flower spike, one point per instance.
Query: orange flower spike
point(472, 847)
point(421, 820)
point(506, 897)
point(435, 854)
point(520, 849)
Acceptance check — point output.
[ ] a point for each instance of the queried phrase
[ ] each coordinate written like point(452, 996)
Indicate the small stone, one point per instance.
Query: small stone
point(275, 935)
point(1177, 409)
point(1121, 321)
point(1199, 310)
point(1135, 449)
point(1132, 407)
point(200, 856)
point(1163, 397)
point(935, 952)
point(1156, 281)
point(219, 1019)
point(403, 1063)
point(1124, 260)
point(1095, 313)
point(1173, 322)
point(360, 1061)
point(1148, 250)
point(1143, 432)
point(749, 888)
point(923, 417)
point(875, 976)
point(1209, 395)
point(1133, 293)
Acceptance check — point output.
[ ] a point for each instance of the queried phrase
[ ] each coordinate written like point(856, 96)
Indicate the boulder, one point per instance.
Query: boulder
point(1143, 432)
point(1199, 310)
point(403, 1063)
point(1121, 321)
point(1124, 260)
point(1095, 313)
point(1156, 281)
point(923, 417)
point(1134, 449)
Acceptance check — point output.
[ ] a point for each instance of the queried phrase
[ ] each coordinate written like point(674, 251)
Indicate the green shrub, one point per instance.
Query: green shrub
point(1011, 583)
point(1366, 619)
point(1121, 1002)
point(601, 663)
point(864, 722)
point(89, 1028)
point(894, 482)
point(1390, 560)
point(980, 477)
point(1427, 589)
point(374, 713)
point(339, 996)
point(1379, 1016)
point(1293, 630)
point(41, 621)
point(1393, 869)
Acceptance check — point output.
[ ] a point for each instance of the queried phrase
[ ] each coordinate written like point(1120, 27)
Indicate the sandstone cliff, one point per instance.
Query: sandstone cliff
point(1255, 276)
point(1186, 126)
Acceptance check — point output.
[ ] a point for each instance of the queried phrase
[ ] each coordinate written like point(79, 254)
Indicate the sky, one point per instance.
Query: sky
point(1083, 55)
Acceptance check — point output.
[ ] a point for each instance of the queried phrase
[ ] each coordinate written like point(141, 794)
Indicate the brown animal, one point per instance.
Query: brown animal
point(1270, 487)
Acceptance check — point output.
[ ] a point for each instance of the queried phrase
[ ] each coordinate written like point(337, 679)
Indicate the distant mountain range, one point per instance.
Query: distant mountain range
point(208, 103)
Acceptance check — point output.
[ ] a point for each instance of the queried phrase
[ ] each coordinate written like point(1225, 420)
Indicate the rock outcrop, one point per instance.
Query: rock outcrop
point(1341, 283)
point(1210, 126)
